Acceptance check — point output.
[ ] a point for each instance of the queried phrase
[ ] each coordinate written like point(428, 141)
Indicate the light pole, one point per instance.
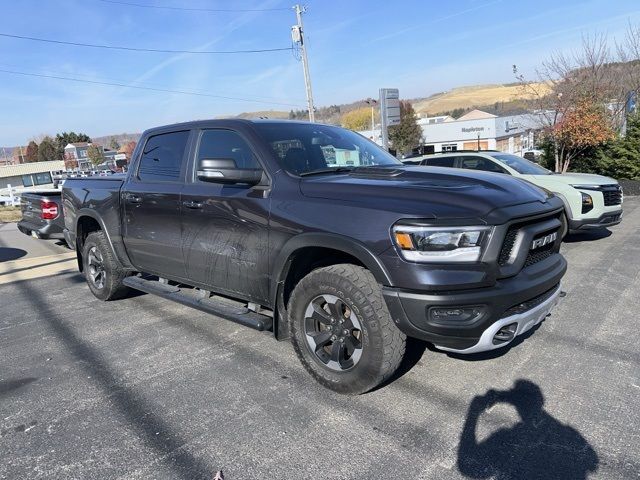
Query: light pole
point(372, 103)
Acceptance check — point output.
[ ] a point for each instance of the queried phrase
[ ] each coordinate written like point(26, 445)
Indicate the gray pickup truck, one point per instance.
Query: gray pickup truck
point(317, 234)
point(42, 214)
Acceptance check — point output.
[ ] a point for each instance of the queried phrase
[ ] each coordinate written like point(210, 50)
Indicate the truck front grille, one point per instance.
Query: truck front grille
point(539, 254)
point(533, 256)
point(507, 245)
point(612, 195)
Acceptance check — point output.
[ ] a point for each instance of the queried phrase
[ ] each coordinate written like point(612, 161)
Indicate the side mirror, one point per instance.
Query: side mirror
point(224, 170)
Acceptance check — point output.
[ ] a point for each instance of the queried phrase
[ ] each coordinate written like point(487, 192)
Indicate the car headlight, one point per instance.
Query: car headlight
point(587, 202)
point(441, 244)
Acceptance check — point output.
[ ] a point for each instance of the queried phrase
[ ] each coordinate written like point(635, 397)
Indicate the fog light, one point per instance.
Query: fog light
point(455, 315)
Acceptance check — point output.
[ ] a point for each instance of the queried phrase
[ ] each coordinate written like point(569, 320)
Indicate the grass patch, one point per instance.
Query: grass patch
point(10, 214)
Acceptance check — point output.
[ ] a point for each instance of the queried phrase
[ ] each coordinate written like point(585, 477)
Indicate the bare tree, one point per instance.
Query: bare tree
point(594, 79)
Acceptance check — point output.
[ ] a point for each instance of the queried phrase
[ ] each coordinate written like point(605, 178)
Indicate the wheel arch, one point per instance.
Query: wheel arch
point(86, 223)
point(307, 252)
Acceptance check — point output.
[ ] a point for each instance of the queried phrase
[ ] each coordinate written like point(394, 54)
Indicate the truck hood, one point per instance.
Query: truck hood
point(574, 179)
point(425, 191)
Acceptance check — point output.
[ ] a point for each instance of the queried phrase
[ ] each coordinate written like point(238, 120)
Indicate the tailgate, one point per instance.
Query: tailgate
point(30, 205)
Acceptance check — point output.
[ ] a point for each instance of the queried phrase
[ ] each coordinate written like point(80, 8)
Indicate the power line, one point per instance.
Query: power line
point(189, 9)
point(134, 49)
point(139, 87)
point(148, 84)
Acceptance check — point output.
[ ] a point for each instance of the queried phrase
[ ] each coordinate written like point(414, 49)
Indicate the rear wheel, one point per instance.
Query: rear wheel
point(102, 271)
point(342, 331)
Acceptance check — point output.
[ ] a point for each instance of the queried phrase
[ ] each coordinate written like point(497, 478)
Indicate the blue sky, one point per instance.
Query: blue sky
point(355, 47)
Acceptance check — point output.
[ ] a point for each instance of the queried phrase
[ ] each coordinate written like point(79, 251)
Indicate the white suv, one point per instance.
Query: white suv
point(591, 201)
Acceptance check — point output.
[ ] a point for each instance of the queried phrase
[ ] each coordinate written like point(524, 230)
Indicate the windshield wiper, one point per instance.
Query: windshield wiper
point(327, 170)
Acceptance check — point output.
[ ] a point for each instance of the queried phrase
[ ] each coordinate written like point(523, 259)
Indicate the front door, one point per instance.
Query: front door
point(151, 199)
point(225, 227)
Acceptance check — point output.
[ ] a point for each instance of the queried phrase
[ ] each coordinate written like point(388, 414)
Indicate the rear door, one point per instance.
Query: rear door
point(448, 161)
point(151, 199)
point(225, 227)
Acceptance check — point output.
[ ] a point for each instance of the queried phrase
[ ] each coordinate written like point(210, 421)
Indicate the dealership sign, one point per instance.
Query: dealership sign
point(389, 111)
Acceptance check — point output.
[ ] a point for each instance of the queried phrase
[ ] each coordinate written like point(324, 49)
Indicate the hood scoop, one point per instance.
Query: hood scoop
point(375, 172)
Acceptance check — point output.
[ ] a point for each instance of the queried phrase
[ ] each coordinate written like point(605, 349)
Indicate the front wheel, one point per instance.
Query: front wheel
point(341, 329)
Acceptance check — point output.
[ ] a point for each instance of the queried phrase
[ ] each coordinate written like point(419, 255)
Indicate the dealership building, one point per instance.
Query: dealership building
point(477, 130)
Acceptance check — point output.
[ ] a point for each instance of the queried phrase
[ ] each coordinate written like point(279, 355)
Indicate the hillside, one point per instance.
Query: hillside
point(496, 99)
point(467, 97)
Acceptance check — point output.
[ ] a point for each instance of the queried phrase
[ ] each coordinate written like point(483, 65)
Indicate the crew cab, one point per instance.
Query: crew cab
point(590, 201)
point(318, 235)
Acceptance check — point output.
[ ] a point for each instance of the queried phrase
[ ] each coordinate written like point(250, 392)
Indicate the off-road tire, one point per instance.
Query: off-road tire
point(383, 344)
point(114, 274)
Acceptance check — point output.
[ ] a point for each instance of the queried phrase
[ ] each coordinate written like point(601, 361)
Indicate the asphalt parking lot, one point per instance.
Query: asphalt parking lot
point(145, 388)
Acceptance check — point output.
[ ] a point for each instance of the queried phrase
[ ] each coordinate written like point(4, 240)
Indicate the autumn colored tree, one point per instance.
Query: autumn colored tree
point(408, 133)
point(358, 120)
point(31, 153)
point(94, 152)
point(582, 127)
point(47, 150)
point(128, 149)
point(70, 162)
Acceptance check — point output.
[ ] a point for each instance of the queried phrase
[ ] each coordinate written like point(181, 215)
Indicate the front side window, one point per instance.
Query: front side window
point(307, 148)
point(162, 157)
point(480, 163)
point(521, 165)
point(226, 144)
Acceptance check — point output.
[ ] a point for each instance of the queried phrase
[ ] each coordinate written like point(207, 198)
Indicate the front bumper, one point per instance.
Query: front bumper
point(514, 324)
point(523, 300)
point(47, 231)
point(608, 219)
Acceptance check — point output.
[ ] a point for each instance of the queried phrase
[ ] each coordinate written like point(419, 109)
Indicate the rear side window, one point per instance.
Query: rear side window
point(227, 144)
point(162, 157)
point(440, 161)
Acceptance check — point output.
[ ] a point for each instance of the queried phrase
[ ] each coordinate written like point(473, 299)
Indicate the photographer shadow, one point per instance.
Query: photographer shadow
point(538, 446)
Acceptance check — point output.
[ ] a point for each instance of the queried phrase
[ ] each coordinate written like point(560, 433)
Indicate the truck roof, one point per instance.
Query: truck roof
point(223, 122)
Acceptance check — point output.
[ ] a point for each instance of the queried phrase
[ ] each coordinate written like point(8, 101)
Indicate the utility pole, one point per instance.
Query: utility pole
point(297, 35)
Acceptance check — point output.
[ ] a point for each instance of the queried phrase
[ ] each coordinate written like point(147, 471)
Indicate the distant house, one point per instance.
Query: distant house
point(78, 152)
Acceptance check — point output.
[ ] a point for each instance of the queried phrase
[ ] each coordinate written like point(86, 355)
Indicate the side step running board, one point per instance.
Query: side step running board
point(237, 314)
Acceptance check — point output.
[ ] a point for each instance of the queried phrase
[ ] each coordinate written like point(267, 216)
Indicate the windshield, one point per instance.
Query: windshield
point(307, 148)
point(520, 165)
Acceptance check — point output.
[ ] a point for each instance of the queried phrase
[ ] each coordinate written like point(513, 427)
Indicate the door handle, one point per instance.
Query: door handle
point(193, 204)
point(131, 198)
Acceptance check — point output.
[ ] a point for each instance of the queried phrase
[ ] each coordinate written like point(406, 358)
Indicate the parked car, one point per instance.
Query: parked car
point(42, 214)
point(346, 261)
point(590, 201)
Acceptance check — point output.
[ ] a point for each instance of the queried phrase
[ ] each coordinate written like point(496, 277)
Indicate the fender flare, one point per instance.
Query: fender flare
point(325, 240)
point(118, 253)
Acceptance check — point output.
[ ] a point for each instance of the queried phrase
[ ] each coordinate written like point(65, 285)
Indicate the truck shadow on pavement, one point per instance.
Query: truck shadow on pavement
point(537, 446)
point(587, 236)
point(8, 386)
point(137, 411)
point(7, 254)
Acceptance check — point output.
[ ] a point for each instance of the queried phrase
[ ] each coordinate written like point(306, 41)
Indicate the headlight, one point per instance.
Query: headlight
point(441, 244)
point(587, 202)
